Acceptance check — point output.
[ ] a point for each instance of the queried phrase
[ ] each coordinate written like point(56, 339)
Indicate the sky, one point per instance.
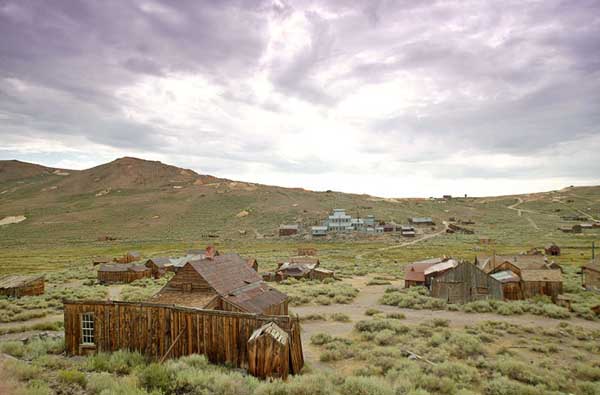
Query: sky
point(390, 98)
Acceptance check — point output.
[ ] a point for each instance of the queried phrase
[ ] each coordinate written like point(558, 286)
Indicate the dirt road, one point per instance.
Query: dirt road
point(369, 296)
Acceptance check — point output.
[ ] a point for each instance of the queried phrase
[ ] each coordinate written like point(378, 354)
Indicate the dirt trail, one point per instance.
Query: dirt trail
point(406, 243)
point(369, 296)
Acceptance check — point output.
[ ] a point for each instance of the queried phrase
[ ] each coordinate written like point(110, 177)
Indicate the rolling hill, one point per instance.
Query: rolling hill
point(139, 200)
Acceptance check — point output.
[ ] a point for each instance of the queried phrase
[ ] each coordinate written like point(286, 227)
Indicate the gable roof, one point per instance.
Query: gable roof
point(416, 271)
point(256, 297)
point(522, 262)
point(440, 267)
point(506, 276)
point(15, 281)
point(541, 275)
point(160, 261)
point(225, 272)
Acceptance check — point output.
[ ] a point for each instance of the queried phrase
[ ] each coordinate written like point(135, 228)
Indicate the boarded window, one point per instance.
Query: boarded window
point(87, 328)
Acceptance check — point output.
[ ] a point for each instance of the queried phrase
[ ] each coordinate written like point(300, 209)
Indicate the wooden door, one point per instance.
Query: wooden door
point(455, 293)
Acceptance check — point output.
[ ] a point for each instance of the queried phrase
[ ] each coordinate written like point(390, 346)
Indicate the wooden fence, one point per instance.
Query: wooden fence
point(166, 331)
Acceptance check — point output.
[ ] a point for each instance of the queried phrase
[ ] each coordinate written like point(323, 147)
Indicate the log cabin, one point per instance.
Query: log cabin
point(15, 286)
point(223, 282)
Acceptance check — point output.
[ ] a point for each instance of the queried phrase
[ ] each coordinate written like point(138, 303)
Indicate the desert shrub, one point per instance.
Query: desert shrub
point(340, 317)
point(71, 377)
point(413, 298)
point(587, 388)
point(437, 384)
point(14, 348)
point(587, 372)
point(386, 337)
point(395, 316)
point(313, 317)
point(457, 371)
point(122, 362)
point(372, 311)
point(440, 323)
point(365, 386)
point(319, 339)
point(479, 306)
point(156, 376)
point(377, 281)
point(323, 300)
point(519, 371)
point(107, 384)
point(505, 386)
point(377, 325)
point(337, 349)
point(463, 345)
point(36, 387)
point(21, 370)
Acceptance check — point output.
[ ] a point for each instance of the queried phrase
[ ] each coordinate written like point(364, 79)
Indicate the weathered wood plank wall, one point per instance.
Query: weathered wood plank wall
point(154, 329)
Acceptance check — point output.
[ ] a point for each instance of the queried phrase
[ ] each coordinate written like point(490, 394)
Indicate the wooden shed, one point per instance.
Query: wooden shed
point(288, 230)
point(466, 283)
point(269, 352)
point(161, 331)
point(511, 284)
point(541, 282)
point(99, 260)
point(321, 274)
point(122, 273)
point(224, 282)
point(414, 273)
point(552, 249)
point(590, 275)
point(15, 286)
point(159, 266)
point(128, 257)
point(307, 251)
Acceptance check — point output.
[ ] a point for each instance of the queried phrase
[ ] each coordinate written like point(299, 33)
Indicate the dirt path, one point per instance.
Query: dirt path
point(406, 243)
point(531, 221)
point(369, 296)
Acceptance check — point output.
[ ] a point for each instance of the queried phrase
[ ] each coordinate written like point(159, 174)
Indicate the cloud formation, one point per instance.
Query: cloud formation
point(389, 98)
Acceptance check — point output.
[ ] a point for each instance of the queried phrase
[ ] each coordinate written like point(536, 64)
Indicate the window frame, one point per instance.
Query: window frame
point(88, 332)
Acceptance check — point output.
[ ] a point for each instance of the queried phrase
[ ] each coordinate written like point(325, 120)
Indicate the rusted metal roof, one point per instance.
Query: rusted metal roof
point(541, 275)
point(16, 281)
point(161, 261)
point(226, 272)
point(416, 271)
point(256, 298)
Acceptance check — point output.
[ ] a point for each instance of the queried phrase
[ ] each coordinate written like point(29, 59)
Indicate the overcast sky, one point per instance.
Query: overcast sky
point(390, 98)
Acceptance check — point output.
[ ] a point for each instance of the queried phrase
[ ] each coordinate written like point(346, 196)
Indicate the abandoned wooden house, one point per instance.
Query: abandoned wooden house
point(421, 221)
point(511, 284)
point(438, 269)
point(302, 267)
point(15, 286)
point(307, 251)
point(516, 263)
point(541, 282)
point(590, 275)
point(122, 273)
point(224, 282)
point(288, 230)
point(160, 266)
point(407, 231)
point(453, 228)
point(465, 283)
point(161, 331)
point(128, 257)
point(100, 260)
point(414, 273)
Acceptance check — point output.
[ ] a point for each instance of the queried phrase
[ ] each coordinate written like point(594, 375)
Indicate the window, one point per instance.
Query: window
point(87, 328)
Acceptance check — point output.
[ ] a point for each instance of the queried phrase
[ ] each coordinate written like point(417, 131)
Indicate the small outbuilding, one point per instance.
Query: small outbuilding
point(318, 231)
point(590, 275)
point(99, 260)
point(414, 273)
point(511, 284)
point(122, 273)
point(307, 251)
point(15, 286)
point(288, 230)
point(159, 266)
point(541, 282)
point(552, 249)
point(128, 257)
point(269, 352)
point(421, 221)
point(466, 283)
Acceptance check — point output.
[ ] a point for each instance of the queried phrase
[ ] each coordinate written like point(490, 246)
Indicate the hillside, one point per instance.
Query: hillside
point(139, 200)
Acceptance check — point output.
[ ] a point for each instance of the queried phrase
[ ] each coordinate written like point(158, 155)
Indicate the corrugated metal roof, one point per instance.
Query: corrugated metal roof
point(506, 277)
point(15, 281)
point(440, 267)
point(541, 275)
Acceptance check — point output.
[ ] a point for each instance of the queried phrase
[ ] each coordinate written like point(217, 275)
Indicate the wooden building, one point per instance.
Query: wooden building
point(552, 249)
point(321, 274)
point(511, 285)
point(159, 266)
point(288, 230)
point(128, 257)
point(165, 331)
point(299, 267)
point(307, 251)
point(541, 282)
point(224, 282)
point(15, 286)
point(99, 260)
point(515, 263)
point(465, 283)
point(414, 273)
point(253, 263)
point(421, 221)
point(122, 273)
point(590, 275)
point(269, 352)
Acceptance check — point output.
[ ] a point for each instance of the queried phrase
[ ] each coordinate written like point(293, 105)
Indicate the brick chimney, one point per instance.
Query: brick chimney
point(211, 252)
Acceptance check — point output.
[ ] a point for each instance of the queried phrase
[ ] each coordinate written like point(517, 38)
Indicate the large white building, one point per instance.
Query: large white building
point(339, 221)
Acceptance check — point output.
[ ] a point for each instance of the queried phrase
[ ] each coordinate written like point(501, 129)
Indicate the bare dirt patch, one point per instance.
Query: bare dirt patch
point(12, 219)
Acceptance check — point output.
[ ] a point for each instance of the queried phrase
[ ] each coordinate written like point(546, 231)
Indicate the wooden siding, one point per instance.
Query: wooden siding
point(35, 287)
point(108, 277)
point(465, 283)
point(591, 278)
point(185, 276)
point(512, 291)
point(548, 288)
point(162, 331)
